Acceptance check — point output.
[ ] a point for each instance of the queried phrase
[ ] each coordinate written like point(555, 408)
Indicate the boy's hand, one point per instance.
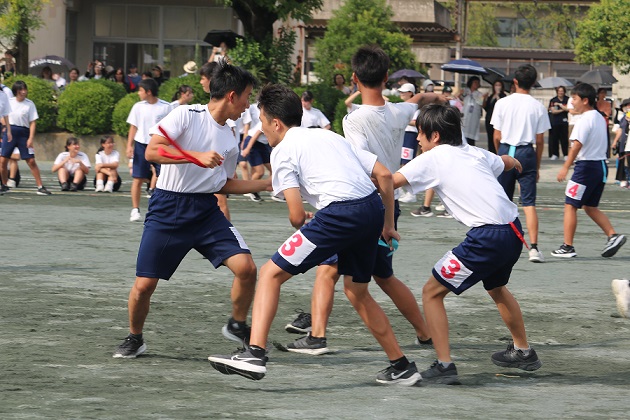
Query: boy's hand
point(388, 234)
point(562, 174)
point(210, 159)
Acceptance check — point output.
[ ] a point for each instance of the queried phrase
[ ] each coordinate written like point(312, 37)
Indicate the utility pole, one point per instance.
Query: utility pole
point(461, 33)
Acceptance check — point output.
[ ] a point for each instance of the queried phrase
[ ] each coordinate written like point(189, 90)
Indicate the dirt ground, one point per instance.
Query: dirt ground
point(67, 264)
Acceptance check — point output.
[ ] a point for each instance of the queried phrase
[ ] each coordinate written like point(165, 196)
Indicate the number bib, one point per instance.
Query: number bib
point(296, 248)
point(575, 190)
point(452, 269)
point(406, 153)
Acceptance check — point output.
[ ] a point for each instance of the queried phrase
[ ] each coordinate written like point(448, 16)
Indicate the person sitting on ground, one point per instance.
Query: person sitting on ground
point(106, 166)
point(72, 166)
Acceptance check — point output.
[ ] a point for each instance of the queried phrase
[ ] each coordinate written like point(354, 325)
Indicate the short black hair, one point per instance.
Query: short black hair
point(149, 85)
point(471, 80)
point(307, 95)
point(226, 78)
point(279, 101)
point(18, 86)
point(71, 140)
point(370, 63)
point(526, 76)
point(443, 119)
point(207, 69)
point(585, 91)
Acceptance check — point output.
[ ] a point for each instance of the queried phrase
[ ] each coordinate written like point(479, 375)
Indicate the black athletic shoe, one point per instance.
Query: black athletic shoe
point(130, 348)
point(309, 345)
point(441, 375)
point(301, 324)
point(65, 186)
point(393, 376)
point(513, 358)
point(235, 332)
point(615, 242)
point(565, 251)
point(43, 191)
point(4, 189)
point(242, 363)
point(74, 187)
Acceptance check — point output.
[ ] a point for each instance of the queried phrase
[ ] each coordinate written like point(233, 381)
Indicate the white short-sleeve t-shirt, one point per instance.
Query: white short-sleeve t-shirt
point(5, 106)
point(22, 113)
point(520, 117)
point(465, 179)
point(412, 128)
point(591, 130)
point(144, 115)
point(314, 118)
point(253, 119)
point(194, 128)
point(73, 166)
point(323, 165)
point(103, 158)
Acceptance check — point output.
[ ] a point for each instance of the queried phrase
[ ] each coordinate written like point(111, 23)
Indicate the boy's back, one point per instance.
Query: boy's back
point(323, 165)
point(519, 117)
point(591, 131)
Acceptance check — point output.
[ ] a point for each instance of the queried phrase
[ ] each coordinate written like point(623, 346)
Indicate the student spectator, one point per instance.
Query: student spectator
point(340, 84)
point(133, 77)
point(106, 167)
point(183, 96)
point(312, 117)
point(158, 74)
point(72, 166)
point(119, 78)
point(23, 120)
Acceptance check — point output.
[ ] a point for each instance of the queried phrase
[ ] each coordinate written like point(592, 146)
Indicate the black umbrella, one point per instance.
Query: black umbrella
point(510, 79)
point(598, 77)
point(493, 75)
point(407, 73)
point(56, 63)
point(216, 37)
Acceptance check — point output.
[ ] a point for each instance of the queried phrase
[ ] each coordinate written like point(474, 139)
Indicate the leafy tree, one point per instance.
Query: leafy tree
point(18, 20)
point(482, 25)
point(356, 23)
point(603, 35)
point(547, 26)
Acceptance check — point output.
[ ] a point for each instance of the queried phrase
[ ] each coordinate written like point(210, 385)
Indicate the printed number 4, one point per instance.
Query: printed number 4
point(573, 190)
point(451, 270)
point(291, 245)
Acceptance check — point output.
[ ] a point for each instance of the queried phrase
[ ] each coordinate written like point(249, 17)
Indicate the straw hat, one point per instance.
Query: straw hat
point(190, 67)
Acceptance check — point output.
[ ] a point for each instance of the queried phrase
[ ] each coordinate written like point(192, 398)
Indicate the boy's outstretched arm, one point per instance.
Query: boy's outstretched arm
point(297, 215)
point(385, 186)
point(399, 180)
point(240, 186)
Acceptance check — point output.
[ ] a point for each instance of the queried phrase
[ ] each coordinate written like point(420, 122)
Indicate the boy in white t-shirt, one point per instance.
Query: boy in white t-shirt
point(588, 149)
point(457, 172)
point(143, 115)
point(334, 177)
point(311, 116)
point(183, 212)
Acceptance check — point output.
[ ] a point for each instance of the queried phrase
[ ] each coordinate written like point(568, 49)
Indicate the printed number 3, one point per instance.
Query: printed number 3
point(290, 246)
point(452, 269)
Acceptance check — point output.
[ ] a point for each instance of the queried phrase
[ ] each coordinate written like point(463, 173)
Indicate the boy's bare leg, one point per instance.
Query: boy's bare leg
point(373, 317)
point(601, 219)
point(531, 220)
point(243, 286)
point(322, 299)
point(570, 223)
point(511, 314)
point(433, 294)
point(139, 302)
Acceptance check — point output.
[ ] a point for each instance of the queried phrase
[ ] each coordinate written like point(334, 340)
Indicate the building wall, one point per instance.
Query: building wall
point(50, 39)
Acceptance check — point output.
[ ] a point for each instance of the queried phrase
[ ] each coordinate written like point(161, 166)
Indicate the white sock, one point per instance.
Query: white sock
point(109, 185)
point(99, 182)
point(444, 364)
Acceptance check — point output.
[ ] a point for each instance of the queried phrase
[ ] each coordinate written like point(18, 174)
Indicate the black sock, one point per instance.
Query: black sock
point(137, 337)
point(238, 325)
point(257, 351)
point(534, 246)
point(399, 364)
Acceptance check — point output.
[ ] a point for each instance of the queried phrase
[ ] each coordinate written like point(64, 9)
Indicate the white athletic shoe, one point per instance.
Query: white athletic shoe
point(109, 187)
point(536, 256)
point(11, 183)
point(621, 289)
point(135, 215)
point(99, 188)
point(407, 197)
point(440, 207)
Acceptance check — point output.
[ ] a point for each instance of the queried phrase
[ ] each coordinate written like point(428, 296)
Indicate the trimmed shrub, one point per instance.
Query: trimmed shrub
point(168, 89)
point(121, 112)
point(118, 91)
point(43, 95)
point(86, 108)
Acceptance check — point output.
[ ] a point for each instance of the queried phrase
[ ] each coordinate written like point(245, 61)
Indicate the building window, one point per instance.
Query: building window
point(109, 21)
point(143, 22)
point(180, 23)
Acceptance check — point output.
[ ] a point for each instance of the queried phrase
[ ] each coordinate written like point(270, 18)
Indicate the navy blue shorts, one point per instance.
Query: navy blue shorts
point(242, 144)
point(20, 137)
point(260, 153)
point(527, 179)
point(383, 265)
point(487, 254)
point(179, 222)
point(349, 229)
point(409, 148)
point(587, 183)
point(141, 166)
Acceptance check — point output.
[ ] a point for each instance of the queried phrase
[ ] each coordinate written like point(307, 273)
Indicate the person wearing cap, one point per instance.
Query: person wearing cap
point(133, 77)
point(158, 74)
point(622, 145)
point(428, 85)
point(410, 144)
point(190, 68)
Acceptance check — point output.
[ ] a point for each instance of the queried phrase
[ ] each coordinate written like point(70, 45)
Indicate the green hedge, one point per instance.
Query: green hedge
point(86, 108)
point(118, 91)
point(43, 95)
point(121, 112)
point(168, 89)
